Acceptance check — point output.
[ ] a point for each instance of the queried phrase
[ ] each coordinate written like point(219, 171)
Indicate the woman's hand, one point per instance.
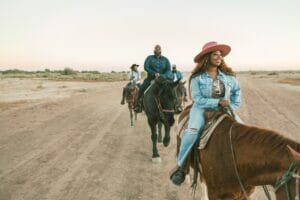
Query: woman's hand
point(224, 103)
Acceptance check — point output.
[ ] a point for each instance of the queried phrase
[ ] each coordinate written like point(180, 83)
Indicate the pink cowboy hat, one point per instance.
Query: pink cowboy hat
point(213, 46)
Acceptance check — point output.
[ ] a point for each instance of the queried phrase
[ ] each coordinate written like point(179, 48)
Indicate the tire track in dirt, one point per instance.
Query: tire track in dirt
point(59, 158)
point(43, 155)
point(266, 110)
point(80, 161)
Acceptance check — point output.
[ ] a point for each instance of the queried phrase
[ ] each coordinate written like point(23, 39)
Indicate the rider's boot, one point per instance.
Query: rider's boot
point(188, 140)
point(138, 106)
point(123, 96)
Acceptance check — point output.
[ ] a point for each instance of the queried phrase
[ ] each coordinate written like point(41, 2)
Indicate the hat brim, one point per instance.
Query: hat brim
point(225, 49)
point(134, 66)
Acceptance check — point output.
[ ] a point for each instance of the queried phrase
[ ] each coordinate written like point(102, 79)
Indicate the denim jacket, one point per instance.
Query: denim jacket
point(201, 89)
point(134, 76)
point(178, 75)
point(159, 65)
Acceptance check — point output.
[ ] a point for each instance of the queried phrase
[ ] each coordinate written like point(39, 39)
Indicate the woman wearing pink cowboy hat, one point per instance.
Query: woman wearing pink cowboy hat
point(212, 85)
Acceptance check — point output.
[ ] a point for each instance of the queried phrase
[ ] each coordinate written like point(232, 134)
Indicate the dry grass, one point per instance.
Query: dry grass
point(68, 74)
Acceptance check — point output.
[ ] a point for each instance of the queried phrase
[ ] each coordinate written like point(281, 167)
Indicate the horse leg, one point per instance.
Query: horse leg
point(131, 115)
point(155, 154)
point(159, 125)
point(167, 137)
point(135, 115)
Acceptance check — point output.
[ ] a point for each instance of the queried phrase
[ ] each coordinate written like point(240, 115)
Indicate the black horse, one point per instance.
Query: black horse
point(159, 107)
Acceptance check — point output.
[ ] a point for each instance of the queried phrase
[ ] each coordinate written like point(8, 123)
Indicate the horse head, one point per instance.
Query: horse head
point(166, 98)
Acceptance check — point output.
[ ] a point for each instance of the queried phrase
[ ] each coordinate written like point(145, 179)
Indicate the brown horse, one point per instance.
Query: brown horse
point(131, 98)
point(239, 156)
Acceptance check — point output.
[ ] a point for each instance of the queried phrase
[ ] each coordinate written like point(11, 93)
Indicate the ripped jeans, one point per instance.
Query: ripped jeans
point(192, 132)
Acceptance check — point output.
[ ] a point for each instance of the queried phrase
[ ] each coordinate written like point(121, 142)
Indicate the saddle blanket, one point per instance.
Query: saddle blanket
point(209, 129)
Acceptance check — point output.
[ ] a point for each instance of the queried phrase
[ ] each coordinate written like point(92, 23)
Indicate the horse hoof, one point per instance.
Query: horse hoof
point(166, 142)
point(156, 160)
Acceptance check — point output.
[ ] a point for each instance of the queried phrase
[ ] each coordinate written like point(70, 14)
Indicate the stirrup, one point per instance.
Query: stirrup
point(177, 175)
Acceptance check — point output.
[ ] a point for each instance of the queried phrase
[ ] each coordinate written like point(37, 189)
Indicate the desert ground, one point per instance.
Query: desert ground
point(73, 140)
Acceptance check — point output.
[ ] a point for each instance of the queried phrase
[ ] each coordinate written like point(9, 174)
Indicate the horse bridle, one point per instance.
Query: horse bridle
point(290, 174)
point(161, 109)
point(285, 178)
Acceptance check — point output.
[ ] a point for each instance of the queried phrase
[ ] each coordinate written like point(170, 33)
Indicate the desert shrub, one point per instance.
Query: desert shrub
point(68, 71)
point(14, 71)
point(272, 73)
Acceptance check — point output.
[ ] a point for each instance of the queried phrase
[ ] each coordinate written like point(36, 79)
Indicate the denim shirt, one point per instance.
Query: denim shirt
point(159, 65)
point(178, 75)
point(201, 89)
point(134, 76)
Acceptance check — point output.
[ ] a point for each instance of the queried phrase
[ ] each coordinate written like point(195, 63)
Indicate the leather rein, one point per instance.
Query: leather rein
point(161, 109)
point(283, 181)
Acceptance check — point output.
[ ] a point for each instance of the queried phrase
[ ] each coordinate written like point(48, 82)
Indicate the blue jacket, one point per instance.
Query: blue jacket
point(201, 89)
point(178, 75)
point(159, 65)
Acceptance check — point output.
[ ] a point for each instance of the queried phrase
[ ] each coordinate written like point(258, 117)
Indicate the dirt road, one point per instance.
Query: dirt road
point(82, 147)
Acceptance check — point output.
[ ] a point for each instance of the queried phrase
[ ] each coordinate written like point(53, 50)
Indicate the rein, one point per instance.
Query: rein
point(283, 181)
point(235, 166)
point(161, 109)
point(286, 177)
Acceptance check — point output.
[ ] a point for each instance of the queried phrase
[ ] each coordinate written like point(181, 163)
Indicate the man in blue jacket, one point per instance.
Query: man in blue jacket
point(177, 76)
point(154, 65)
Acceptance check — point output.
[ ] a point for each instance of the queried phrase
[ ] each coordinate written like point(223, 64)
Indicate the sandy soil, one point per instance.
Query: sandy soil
point(72, 140)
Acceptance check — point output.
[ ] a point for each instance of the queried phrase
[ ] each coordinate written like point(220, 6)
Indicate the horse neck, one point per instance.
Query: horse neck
point(262, 155)
point(153, 90)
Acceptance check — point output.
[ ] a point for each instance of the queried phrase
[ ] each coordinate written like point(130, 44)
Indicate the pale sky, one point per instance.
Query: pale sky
point(111, 35)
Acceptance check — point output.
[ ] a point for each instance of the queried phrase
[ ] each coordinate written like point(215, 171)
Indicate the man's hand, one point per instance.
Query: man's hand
point(224, 103)
point(156, 75)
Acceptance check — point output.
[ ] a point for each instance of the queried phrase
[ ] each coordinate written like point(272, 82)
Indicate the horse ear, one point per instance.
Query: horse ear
point(295, 154)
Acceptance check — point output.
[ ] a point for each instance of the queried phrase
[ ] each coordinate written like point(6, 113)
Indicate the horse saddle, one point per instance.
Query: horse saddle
point(212, 117)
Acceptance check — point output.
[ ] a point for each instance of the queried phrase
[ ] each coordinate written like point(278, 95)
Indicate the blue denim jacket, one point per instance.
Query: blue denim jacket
point(201, 89)
point(179, 75)
point(159, 65)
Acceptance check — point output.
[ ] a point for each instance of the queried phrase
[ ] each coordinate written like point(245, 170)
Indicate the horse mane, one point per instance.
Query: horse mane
point(262, 137)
